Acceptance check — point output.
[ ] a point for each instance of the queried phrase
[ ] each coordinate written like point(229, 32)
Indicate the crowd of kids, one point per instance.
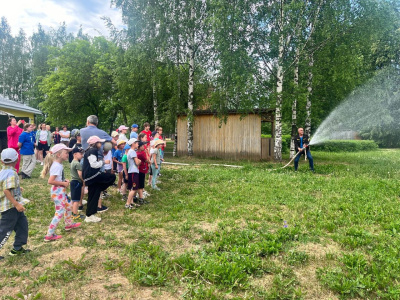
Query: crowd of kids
point(92, 171)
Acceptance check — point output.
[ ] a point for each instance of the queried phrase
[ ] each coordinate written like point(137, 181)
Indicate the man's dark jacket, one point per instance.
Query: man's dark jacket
point(306, 140)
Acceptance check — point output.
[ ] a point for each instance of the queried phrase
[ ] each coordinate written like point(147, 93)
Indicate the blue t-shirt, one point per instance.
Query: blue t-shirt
point(301, 142)
point(118, 154)
point(26, 139)
point(34, 136)
point(133, 135)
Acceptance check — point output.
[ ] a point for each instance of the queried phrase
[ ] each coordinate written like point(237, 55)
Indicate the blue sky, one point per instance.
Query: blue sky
point(27, 14)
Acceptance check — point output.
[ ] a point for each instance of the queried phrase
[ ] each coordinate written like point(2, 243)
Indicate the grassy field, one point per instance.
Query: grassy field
point(226, 233)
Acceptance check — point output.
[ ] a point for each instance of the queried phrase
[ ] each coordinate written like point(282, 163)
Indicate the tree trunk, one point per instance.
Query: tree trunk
point(307, 128)
point(279, 89)
point(191, 95)
point(155, 103)
point(294, 105)
point(178, 98)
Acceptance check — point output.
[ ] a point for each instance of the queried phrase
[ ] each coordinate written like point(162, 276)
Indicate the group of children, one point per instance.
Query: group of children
point(131, 158)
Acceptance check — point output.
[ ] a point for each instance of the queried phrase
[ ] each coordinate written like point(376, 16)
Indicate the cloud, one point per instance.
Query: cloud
point(27, 14)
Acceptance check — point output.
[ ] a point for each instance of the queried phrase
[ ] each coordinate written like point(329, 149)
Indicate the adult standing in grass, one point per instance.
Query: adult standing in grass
point(56, 136)
point(65, 135)
point(92, 130)
point(27, 151)
point(11, 205)
point(13, 133)
point(301, 144)
point(43, 141)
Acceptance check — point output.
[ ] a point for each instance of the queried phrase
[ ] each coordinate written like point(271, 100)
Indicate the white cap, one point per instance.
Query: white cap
point(131, 141)
point(9, 155)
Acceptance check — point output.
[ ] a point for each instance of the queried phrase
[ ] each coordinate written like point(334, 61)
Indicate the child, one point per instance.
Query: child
point(155, 162)
point(53, 164)
point(76, 182)
point(133, 174)
point(75, 140)
point(134, 130)
point(107, 156)
point(147, 131)
point(95, 180)
point(143, 169)
point(117, 159)
point(159, 135)
point(123, 130)
point(11, 207)
point(125, 165)
point(143, 138)
point(115, 137)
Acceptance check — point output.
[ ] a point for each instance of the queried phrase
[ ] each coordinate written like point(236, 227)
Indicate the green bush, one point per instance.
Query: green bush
point(346, 146)
point(285, 141)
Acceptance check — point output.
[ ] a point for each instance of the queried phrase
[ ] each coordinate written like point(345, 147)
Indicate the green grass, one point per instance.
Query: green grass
point(218, 233)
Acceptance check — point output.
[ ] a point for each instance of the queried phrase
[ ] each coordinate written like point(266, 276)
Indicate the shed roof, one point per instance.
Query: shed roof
point(7, 103)
point(231, 112)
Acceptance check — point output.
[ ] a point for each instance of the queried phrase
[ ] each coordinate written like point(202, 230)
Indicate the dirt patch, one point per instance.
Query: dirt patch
point(72, 253)
point(208, 226)
point(264, 282)
point(319, 251)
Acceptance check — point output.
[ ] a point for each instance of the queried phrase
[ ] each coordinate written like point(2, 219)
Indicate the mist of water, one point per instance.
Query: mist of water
point(375, 104)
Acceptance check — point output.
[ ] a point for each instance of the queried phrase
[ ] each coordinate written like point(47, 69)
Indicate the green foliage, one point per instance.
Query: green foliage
point(346, 146)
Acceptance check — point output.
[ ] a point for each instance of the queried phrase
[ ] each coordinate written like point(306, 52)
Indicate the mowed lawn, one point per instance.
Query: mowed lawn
point(215, 232)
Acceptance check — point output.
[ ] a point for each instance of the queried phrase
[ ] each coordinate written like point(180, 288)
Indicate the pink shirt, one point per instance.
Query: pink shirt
point(13, 134)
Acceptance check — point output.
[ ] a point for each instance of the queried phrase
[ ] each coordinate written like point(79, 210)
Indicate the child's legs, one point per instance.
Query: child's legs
point(76, 194)
point(59, 204)
point(155, 173)
point(7, 225)
point(119, 180)
point(82, 193)
point(21, 231)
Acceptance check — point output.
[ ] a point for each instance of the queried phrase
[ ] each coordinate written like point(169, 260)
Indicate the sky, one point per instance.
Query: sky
point(27, 14)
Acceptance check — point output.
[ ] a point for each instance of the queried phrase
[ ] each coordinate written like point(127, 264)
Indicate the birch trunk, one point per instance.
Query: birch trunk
point(190, 90)
point(178, 98)
point(294, 105)
point(155, 104)
point(279, 89)
point(307, 128)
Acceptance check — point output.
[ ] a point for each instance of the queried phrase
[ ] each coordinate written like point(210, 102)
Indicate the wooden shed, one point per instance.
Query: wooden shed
point(238, 138)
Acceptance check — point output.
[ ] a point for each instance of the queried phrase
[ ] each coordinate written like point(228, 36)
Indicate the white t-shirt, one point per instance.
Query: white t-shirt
point(57, 170)
point(122, 136)
point(108, 156)
point(43, 136)
point(65, 133)
point(133, 168)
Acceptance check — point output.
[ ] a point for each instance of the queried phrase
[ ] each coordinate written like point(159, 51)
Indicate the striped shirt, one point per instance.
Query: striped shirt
point(9, 180)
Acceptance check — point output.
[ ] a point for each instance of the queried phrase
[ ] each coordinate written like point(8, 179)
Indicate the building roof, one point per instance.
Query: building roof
point(7, 103)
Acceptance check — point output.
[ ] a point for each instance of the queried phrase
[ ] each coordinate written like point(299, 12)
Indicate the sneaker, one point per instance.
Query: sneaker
point(14, 252)
point(84, 202)
point(73, 225)
point(52, 238)
point(92, 219)
point(1, 257)
point(136, 202)
point(80, 208)
point(78, 217)
point(146, 194)
point(141, 201)
point(156, 188)
point(129, 206)
point(41, 163)
point(102, 209)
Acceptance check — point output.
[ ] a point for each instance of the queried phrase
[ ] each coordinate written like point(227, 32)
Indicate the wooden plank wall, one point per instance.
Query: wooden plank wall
point(237, 139)
point(267, 148)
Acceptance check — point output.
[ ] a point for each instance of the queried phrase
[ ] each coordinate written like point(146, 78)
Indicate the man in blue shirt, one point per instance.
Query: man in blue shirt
point(301, 143)
point(27, 151)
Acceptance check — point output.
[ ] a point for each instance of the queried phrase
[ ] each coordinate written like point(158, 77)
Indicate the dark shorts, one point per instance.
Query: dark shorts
point(133, 181)
point(76, 190)
point(41, 147)
point(142, 177)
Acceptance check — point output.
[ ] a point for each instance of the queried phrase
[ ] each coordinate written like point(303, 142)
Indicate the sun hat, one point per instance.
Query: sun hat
point(95, 139)
point(77, 149)
point(131, 141)
point(122, 127)
point(59, 147)
point(158, 142)
point(135, 126)
point(114, 134)
point(9, 155)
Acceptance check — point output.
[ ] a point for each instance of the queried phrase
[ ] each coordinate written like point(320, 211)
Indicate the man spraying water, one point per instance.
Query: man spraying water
point(301, 143)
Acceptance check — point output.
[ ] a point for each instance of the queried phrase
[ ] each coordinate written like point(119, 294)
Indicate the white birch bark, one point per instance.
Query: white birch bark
point(279, 89)
point(191, 90)
point(294, 105)
point(155, 102)
point(307, 128)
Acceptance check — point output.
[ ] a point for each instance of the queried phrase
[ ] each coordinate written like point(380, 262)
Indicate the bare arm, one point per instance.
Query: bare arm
point(80, 174)
point(52, 180)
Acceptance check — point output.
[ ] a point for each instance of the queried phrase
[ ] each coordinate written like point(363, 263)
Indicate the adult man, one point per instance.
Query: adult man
point(301, 143)
point(91, 130)
point(27, 151)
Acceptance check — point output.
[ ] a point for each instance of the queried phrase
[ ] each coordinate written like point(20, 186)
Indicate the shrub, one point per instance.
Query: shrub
point(346, 146)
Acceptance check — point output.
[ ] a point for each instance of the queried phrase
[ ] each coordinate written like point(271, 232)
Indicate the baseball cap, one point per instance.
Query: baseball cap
point(114, 134)
point(127, 147)
point(77, 149)
point(122, 127)
point(131, 141)
point(119, 142)
point(135, 126)
point(59, 147)
point(9, 155)
point(94, 139)
point(142, 143)
point(154, 133)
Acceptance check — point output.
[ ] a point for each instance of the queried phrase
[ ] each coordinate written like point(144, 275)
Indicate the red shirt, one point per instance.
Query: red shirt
point(144, 166)
point(148, 133)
